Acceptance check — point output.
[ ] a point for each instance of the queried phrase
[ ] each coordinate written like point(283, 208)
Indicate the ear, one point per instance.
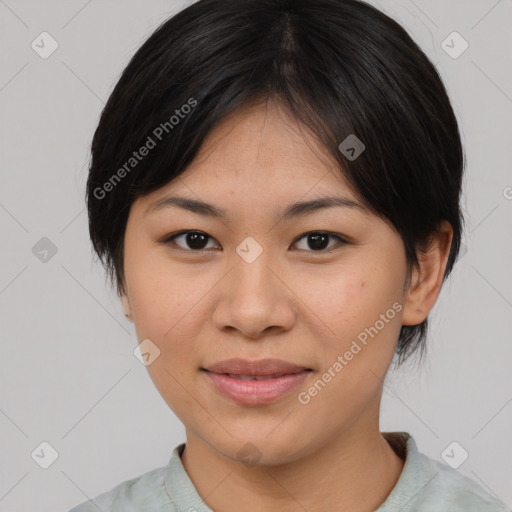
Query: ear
point(426, 280)
point(126, 306)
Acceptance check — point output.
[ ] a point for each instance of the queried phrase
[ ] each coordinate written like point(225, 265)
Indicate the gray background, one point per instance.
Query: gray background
point(67, 372)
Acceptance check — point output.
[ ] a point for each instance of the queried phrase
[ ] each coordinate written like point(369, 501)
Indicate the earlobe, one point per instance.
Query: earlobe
point(126, 306)
point(413, 313)
point(426, 281)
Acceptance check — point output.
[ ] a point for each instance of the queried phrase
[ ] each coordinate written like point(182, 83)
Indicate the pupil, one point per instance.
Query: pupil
point(317, 243)
point(192, 240)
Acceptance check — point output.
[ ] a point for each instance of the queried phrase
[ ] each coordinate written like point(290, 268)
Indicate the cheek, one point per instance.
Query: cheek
point(363, 317)
point(349, 299)
point(168, 310)
point(170, 306)
point(360, 307)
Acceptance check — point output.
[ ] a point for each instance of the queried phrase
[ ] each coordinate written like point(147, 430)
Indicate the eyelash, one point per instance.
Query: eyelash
point(169, 240)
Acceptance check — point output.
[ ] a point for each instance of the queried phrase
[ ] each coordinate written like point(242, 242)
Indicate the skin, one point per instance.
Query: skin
point(293, 302)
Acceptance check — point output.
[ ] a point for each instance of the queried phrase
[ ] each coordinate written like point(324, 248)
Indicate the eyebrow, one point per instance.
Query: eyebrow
point(294, 210)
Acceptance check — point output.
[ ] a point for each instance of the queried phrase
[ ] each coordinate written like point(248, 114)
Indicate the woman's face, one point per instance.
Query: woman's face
point(256, 286)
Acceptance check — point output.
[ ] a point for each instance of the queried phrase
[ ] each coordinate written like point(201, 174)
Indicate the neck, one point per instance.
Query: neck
point(359, 468)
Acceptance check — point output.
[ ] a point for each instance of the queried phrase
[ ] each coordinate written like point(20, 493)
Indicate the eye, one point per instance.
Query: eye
point(318, 241)
point(195, 241)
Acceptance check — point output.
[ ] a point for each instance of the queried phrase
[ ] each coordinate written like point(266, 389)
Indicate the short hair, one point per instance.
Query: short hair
point(342, 68)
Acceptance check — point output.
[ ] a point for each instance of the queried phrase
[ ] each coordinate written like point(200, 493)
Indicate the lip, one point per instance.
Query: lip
point(280, 378)
point(261, 367)
point(256, 392)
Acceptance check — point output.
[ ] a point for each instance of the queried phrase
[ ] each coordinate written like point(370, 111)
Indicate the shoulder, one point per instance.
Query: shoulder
point(146, 491)
point(427, 484)
point(165, 489)
point(452, 491)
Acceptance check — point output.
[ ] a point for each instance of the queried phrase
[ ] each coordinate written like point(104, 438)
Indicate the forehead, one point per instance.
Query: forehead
point(263, 148)
point(258, 161)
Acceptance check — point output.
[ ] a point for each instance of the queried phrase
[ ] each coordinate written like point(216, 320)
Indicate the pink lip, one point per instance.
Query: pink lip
point(262, 367)
point(256, 392)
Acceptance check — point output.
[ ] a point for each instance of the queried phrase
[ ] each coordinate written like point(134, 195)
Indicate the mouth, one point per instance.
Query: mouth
point(269, 367)
point(260, 377)
point(254, 390)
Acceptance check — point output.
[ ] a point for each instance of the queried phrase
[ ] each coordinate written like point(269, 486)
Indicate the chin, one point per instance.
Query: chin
point(255, 447)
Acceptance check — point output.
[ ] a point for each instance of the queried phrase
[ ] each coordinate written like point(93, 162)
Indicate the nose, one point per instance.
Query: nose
point(255, 299)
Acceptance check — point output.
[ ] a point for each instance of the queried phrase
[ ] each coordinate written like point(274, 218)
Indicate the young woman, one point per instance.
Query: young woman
point(274, 189)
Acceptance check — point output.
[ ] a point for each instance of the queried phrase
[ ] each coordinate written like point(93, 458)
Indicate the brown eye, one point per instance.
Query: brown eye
point(319, 240)
point(196, 241)
point(193, 240)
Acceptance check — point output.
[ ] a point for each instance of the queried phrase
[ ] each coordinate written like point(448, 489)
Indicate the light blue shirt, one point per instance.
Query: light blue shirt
point(425, 485)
